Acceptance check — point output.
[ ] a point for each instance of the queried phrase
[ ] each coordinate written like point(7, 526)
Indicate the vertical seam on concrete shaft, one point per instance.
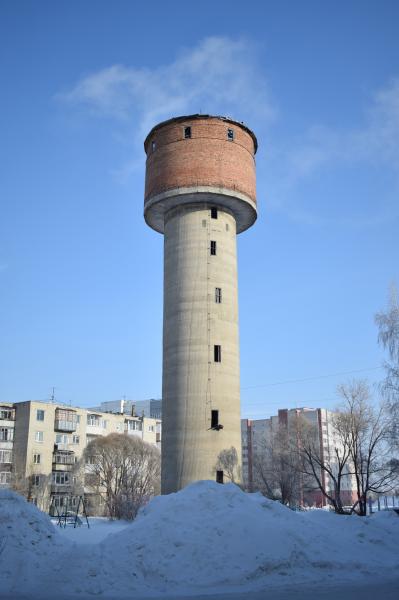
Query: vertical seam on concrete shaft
point(179, 217)
point(208, 400)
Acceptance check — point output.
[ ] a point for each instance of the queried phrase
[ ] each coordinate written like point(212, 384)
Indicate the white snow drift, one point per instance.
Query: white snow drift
point(207, 536)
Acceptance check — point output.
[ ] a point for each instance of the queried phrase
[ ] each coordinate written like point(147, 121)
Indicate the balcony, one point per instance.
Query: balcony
point(7, 414)
point(5, 457)
point(6, 435)
point(63, 458)
point(65, 420)
point(61, 481)
point(61, 488)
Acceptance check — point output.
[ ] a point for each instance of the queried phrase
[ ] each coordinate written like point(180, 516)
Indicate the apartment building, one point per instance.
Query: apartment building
point(258, 436)
point(7, 422)
point(45, 440)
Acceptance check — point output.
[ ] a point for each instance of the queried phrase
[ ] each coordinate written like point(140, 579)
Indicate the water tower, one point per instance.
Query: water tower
point(199, 192)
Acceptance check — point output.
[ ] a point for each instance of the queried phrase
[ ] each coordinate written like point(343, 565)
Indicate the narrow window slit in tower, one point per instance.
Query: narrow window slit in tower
point(218, 295)
point(214, 419)
point(227, 226)
point(217, 353)
point(187, 132)
point(153, 145)
point(213, 248)
point(203, 222)
point(214, 213)
point(230, 134)
point(219, 476)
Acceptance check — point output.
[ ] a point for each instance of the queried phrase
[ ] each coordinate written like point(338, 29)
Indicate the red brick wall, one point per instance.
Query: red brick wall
point(207, 159)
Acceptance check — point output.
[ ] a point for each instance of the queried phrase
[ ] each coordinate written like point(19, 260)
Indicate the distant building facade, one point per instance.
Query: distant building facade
point(41, 442)
point(258, 434)
point(7, 430)
point(141, 408)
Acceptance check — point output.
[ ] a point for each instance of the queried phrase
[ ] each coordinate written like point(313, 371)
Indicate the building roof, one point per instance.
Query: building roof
point(199, 116)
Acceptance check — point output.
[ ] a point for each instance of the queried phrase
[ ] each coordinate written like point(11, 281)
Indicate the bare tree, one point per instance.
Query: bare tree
point(33, 485)
point(326, 470)
point(360, 452)
point(388, 336)
point(228, 463)
point(368, 428)
point(276, 468)
point(124, 471)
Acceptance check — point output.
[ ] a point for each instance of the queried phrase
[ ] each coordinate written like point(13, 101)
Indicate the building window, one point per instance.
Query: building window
point(214, 419)
point(40, 415)
point(153, 145)
point(214, 213)
point(227, 226)
point(6, 456)
point(230, 134)
point(77, 418)
point(35, 480)
point(213, 248)
point(39, 436)
point(217, 353)
point(75, 439)
point(219, 476)
point(37, 459)
point(93, 420)
point(61, 438)
point(6, 434)
point(134, 425)
point(218, 295)
point(203, 222)
point(187, 132)
point(103, 423)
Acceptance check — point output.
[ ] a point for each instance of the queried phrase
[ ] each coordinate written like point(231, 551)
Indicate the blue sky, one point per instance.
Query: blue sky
point(81, 273)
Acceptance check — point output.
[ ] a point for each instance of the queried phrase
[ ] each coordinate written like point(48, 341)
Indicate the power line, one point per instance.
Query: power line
point(252, 387)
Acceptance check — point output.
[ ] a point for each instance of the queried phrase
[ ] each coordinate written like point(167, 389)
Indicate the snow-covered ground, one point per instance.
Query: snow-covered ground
point(99, 528)
point(206, 539)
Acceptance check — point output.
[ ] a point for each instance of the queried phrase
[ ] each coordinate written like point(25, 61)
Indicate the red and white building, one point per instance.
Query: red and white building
point(257, 433)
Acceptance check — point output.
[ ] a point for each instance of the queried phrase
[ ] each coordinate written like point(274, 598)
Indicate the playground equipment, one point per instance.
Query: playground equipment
point(69, 513)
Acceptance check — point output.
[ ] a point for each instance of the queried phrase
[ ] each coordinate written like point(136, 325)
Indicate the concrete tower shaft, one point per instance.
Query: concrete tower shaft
point(200, 192)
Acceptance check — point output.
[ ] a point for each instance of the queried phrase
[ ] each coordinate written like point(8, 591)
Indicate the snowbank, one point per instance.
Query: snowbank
point(28, 542)
point(210, 537)
point(213, 536)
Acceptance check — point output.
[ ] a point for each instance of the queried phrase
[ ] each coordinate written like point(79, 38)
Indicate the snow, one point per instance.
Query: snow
point(207, 538)
point(28, 541)
point(100, 528)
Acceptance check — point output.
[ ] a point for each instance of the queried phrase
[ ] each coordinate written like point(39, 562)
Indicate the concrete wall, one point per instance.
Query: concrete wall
point(193, 383)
